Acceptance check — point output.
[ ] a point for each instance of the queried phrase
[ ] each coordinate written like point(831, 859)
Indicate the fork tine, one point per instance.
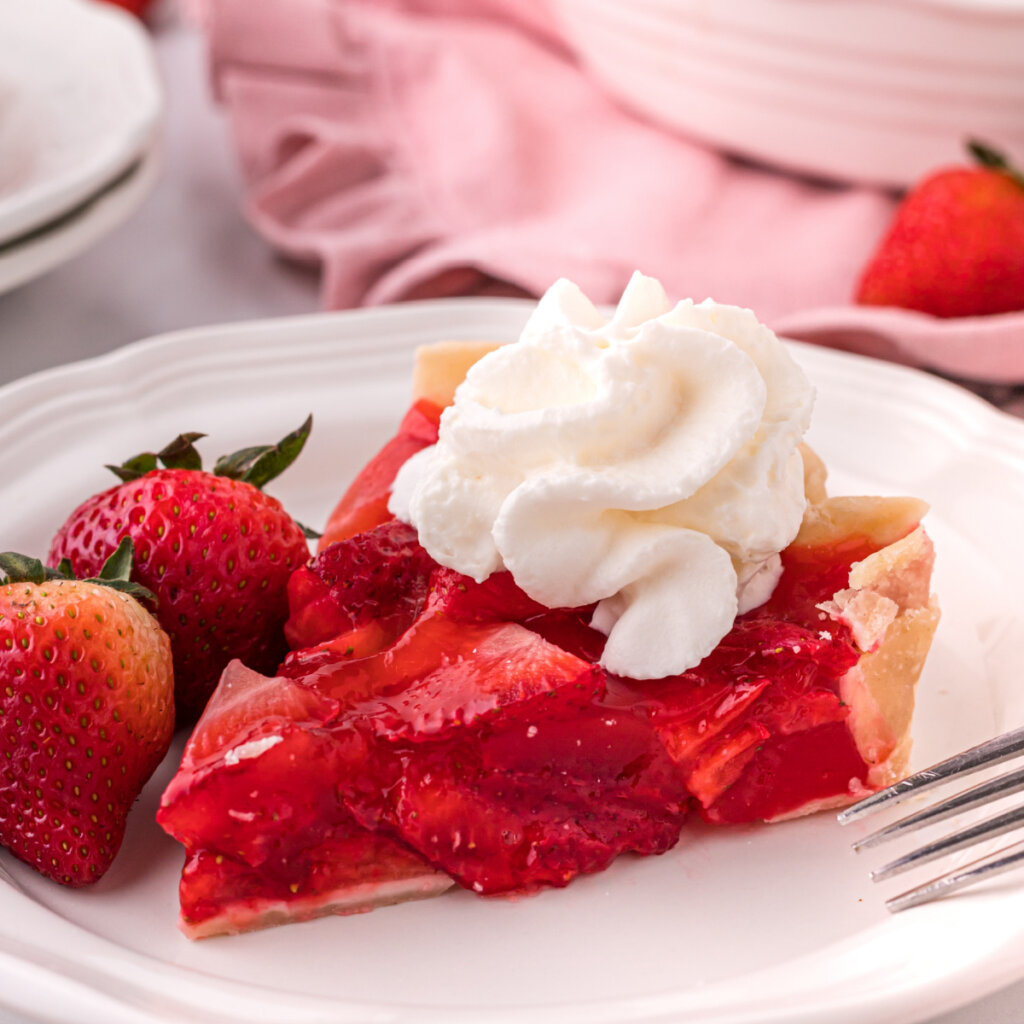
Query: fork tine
point(997, 863)
point(992, 752)
point(976, 796)
point(997, 825)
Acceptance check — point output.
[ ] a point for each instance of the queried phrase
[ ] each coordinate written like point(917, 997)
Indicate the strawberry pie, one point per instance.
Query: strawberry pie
point(592, 586)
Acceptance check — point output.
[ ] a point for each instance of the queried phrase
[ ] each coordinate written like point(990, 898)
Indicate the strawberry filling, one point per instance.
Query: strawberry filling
point(365, 504)
point(435, 728)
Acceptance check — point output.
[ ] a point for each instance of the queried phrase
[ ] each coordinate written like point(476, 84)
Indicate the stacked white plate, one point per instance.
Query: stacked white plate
point(875, 91)
point(80, 106)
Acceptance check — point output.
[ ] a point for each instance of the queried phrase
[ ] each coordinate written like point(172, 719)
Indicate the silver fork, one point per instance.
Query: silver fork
point(993, 752)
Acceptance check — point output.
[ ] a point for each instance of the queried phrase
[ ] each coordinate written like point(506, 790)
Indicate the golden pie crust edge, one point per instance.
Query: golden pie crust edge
point(888, 603)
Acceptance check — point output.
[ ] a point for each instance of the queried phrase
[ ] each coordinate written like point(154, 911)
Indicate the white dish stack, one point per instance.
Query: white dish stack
point(80, 105)
point(869, 91)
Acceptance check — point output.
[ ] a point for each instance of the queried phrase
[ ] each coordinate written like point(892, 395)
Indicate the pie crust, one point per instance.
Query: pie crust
point(886, 606)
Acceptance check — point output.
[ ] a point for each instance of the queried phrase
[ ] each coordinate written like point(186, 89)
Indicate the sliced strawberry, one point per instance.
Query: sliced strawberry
point(800, 724)
point(251, 778)
point(264, 799)
point(789, 772)
point(497, 599)
point(570, 629)
point(549, 783)
point(768, 679)
point(378, 576)
point(500, 599)
point(505, 831)
point(443, 676)
point(246, 706)
point(257, 805)
point(361, 642)
point(721, 761)
point(365, 504)
point(606, 742)
point(690, 713)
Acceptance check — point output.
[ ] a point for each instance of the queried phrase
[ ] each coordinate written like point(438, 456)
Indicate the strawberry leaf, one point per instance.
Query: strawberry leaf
point(133, 468)
point(237, 464)
point(994, 159)
point(181, 454)
point(141, 594)
point(19, 568)
point(308, 532)
point(119, 565)
point(114, 574)
point(261, 464)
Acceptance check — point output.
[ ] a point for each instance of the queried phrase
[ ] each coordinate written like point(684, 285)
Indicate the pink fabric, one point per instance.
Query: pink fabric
point(419, 148)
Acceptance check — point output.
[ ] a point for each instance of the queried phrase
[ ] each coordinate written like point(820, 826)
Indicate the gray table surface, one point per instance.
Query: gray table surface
point(188, 258)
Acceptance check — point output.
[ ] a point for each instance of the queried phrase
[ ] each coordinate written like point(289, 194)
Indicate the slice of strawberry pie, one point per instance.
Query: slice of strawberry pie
point(436, 726)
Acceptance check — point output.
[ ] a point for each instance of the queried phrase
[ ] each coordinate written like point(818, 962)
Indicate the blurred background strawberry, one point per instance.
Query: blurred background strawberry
point(138, 7)
point(956, 244)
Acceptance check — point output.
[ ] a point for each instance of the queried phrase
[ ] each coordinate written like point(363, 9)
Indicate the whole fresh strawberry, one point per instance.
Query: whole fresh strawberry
point(137, 7)
point(214, 549)
point(956, 245)
point(86, 712)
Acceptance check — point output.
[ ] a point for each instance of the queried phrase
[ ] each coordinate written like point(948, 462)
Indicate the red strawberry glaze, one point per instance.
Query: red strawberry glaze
point(459, 730)
point(812, 575)
point(481, 749)
point(267, 833)
point(365, 504)
point(758, 728)
point(394, 745)
point(378, 577)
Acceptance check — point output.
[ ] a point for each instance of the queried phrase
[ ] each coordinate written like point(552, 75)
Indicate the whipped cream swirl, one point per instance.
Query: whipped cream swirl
point(648, 464)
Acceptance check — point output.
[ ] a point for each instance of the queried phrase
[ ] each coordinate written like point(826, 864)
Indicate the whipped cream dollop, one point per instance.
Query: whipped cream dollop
point(648, 463)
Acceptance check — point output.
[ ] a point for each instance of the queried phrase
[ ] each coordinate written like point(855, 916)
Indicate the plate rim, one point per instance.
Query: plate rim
point(351, 333)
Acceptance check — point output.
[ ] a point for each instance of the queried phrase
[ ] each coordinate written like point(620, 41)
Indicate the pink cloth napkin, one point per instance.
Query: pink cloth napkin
point(419, 148)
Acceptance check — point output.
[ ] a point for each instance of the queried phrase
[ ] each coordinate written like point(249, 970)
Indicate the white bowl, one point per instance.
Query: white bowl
point(850, 90)
point(80, 103)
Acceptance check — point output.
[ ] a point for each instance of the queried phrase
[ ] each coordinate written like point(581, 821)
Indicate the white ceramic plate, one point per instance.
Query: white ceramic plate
point(735, 926)
point(79, 102)
point(74, 232)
